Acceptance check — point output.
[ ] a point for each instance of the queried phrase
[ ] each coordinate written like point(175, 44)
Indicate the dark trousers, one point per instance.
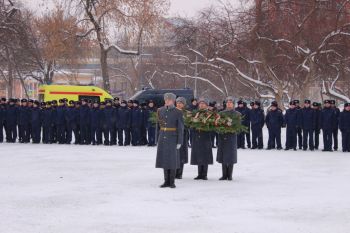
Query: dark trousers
point(11, 133)
point(24, 132)
point(308, 136)
point(335, 138)
point(76, 131)
point(257, 138)
point(143, 136)
point(1, 131)
point(84, 134)
point(151, 132)
point(203, 170)
point(300, 137)
point(69, 133)
point(36, 133)
point(190, 132)
point(346, 141)
point(274, 138)
point(180, 171)
point(317, 138)
point(109, 136)
point(169, 176)
point(214, 139)
point(327, 139)
point(227, 170)
point(135, 136)
point(247, 137)
point(96, 136)
point(120, 133)
point(54, 134)
point(291, 136)
point(47, 134)
point(61, 134)
point(241, 140)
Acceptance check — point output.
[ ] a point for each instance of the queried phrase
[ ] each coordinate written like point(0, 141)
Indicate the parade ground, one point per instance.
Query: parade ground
point(90, 189)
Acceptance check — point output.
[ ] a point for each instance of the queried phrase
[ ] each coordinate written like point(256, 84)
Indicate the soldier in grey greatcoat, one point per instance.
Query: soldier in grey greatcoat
point(171, 125)
point(227, 146)
point(183, 151)
point(202, 154)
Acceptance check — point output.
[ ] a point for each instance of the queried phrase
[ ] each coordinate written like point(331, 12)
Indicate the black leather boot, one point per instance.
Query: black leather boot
point(204, 172)
point(199, 173)
point(166, 179)
point(179, 172)
point(229, 171)
point(172, 178)
point(224, 172)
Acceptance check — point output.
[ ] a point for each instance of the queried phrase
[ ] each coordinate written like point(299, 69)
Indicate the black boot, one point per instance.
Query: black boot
point(204, 172)
point(229, 171)
point(166, 179)
point(224, 172)
point(199, 173)
point(179, 172)
point(172, 178)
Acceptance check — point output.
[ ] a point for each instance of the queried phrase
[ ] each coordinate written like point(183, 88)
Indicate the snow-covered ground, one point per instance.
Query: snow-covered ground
point(88, 189)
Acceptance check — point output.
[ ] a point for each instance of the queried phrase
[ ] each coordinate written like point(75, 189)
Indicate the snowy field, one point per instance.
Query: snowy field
point(89, 189)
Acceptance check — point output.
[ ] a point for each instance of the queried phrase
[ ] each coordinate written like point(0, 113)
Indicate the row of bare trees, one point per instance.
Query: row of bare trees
point(271, 49)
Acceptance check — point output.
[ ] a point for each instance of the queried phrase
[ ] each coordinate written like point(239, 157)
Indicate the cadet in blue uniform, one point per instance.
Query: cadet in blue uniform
point(308, 120)
point(84, 123)
point(35, 122)
point(95, 116)
point(76, 126)
point(136, 123)
point(23, 121)
point(70, 115)
point(299, 130)
point(48, 124)
point(151, 128)
point(143, 128)
point(327, 122)
point(291, 122)
point(336, 125)
point(11, 121)
point(123, 123)
point(60, 122)
point(244, 111)
point(344, 126)
point(274, 122)
point(257, 122)
point(108, 120)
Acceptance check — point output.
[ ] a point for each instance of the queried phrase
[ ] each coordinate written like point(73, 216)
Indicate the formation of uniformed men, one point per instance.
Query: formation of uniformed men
point(91, 122)
point(127, 123)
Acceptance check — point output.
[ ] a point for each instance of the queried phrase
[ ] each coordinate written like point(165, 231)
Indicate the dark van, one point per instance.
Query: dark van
point(157, 95)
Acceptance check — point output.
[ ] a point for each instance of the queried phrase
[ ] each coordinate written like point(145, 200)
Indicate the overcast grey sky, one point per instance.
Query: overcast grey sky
point(178, 7)
point(190, 7)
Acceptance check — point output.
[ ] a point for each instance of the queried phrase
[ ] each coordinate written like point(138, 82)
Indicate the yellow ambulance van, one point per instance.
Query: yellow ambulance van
point(75, 93)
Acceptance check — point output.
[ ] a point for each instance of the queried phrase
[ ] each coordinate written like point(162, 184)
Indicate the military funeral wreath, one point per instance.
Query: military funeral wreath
point(208, 121)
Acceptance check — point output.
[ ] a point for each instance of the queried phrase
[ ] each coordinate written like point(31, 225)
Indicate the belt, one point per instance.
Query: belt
point(168, 129)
